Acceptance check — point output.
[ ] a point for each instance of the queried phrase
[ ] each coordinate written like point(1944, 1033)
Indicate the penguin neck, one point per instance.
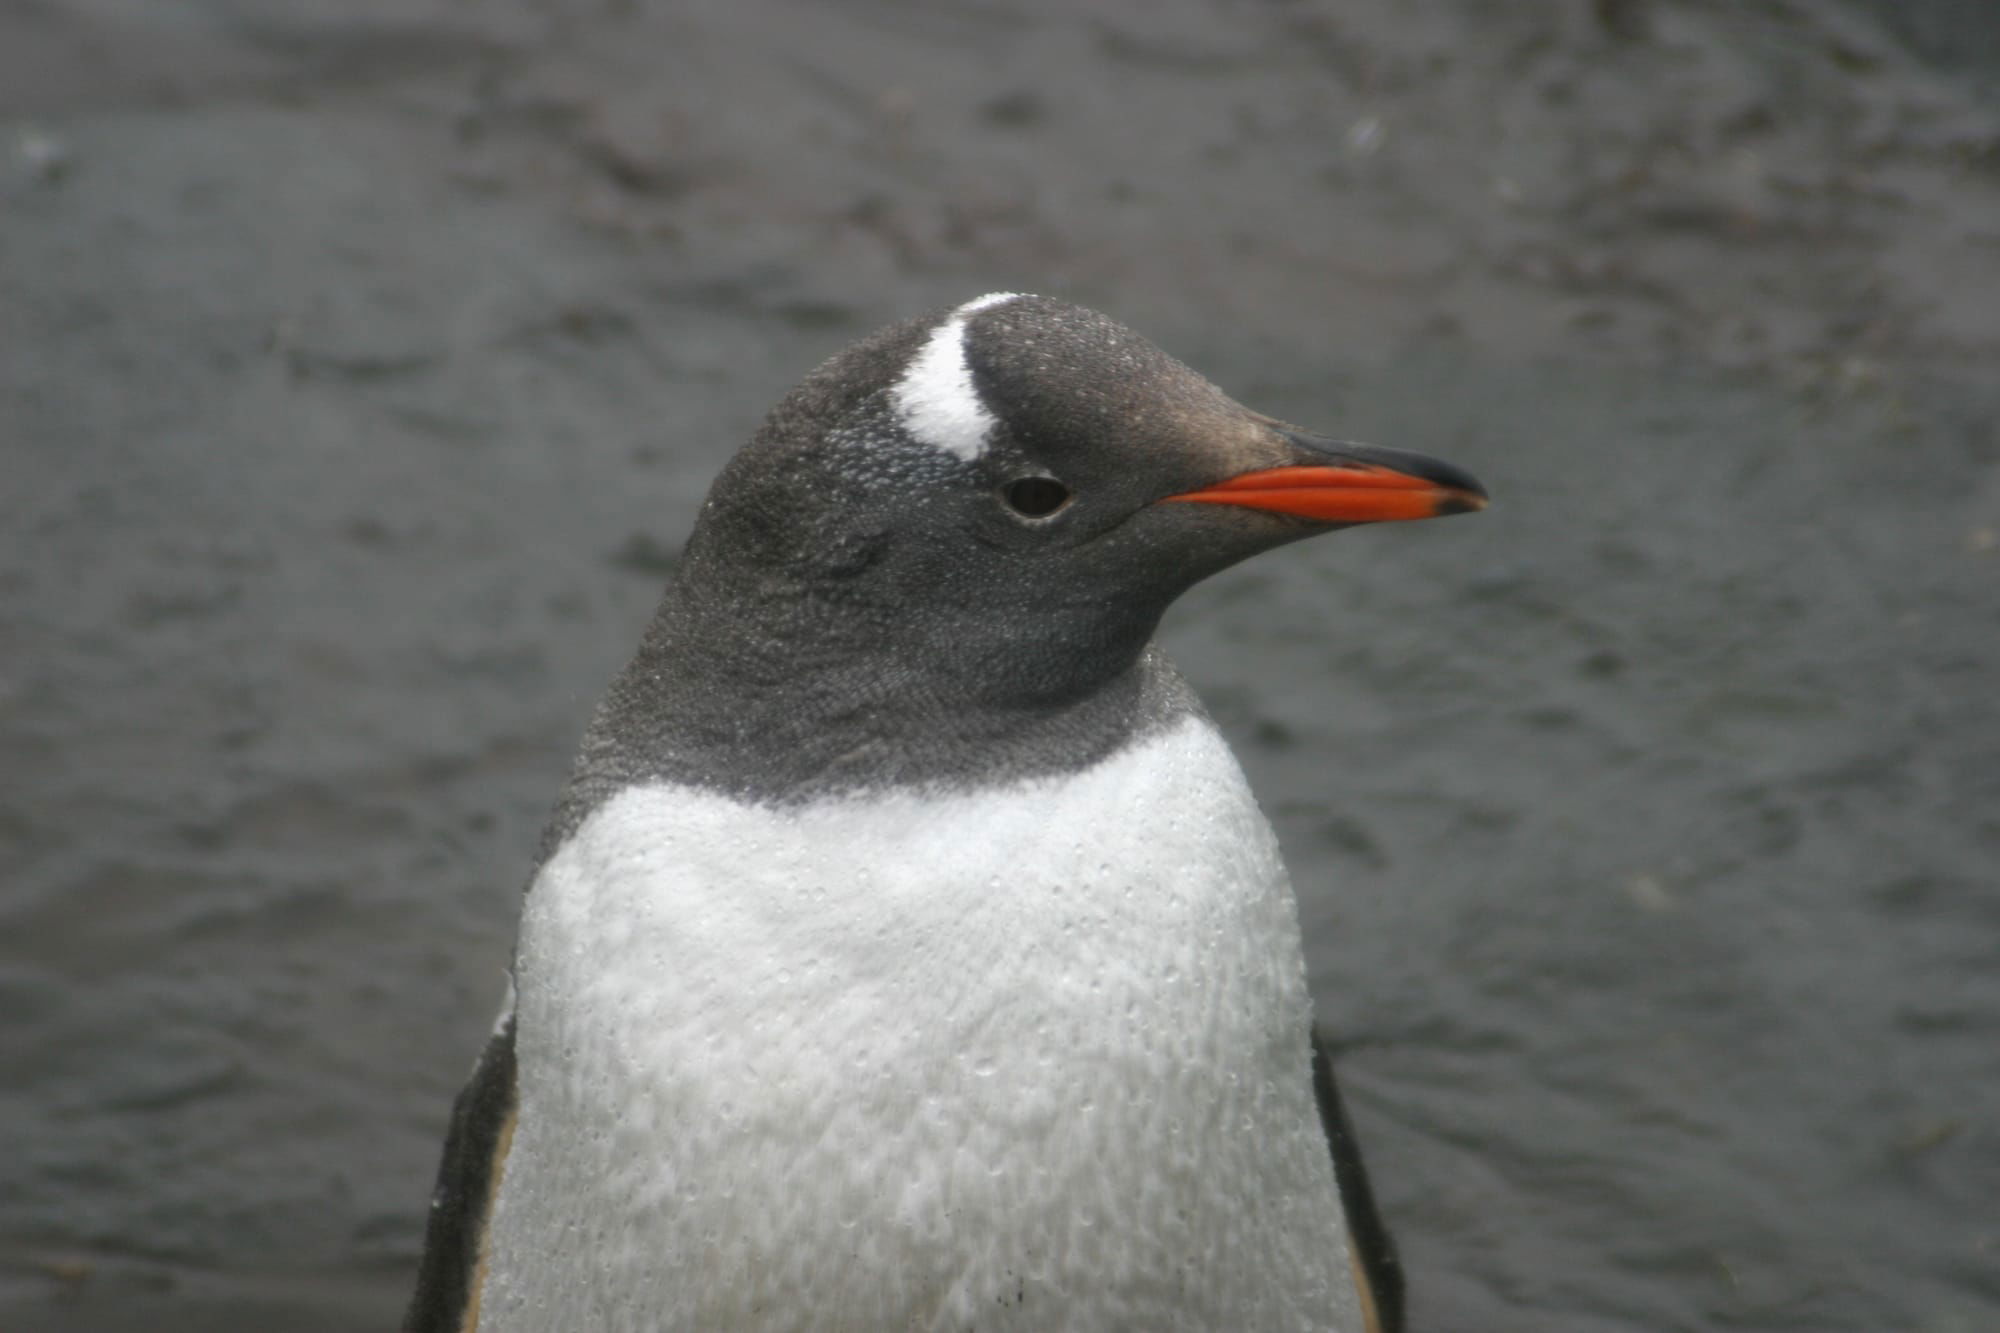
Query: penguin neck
point(783, 694)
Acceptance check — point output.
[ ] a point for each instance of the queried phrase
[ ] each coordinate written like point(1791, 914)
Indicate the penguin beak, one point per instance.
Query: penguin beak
point(1335, 482)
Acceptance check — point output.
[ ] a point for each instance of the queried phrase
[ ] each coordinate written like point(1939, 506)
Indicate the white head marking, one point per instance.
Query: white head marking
point(936, 398)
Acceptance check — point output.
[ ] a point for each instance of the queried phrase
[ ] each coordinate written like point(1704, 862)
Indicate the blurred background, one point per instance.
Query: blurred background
point(362, 364)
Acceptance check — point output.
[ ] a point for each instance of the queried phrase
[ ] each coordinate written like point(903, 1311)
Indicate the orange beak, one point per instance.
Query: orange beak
point(1371, 486)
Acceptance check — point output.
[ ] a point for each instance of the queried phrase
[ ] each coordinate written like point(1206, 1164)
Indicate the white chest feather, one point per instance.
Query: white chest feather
point(1034, 1059)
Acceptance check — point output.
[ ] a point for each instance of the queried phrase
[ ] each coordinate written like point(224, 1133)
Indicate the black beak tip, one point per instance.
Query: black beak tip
point(1460, 480)
point(1449, 476)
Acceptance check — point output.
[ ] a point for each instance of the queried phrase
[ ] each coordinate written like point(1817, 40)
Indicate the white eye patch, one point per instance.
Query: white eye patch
point(936, 398)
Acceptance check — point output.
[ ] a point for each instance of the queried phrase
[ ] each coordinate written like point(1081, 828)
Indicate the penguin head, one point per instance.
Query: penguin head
point(1015, 489)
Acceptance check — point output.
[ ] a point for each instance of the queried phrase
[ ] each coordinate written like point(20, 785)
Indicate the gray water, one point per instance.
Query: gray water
point(362, 365)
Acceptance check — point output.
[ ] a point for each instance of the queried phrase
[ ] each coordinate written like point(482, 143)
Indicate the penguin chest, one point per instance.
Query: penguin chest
point(1031, 1056)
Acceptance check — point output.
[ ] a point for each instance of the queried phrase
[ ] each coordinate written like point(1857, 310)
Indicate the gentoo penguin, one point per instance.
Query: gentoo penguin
point(907, 950)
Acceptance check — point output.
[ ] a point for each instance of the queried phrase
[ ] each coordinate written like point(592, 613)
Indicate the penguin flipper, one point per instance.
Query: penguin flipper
point(1378, 1270)
point(453, 1270)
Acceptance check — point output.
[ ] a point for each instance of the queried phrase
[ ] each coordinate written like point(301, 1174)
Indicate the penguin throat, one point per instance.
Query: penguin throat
point(784, 721)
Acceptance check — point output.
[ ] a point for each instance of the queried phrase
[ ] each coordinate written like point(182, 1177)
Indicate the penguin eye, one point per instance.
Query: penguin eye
point(1035, 497)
